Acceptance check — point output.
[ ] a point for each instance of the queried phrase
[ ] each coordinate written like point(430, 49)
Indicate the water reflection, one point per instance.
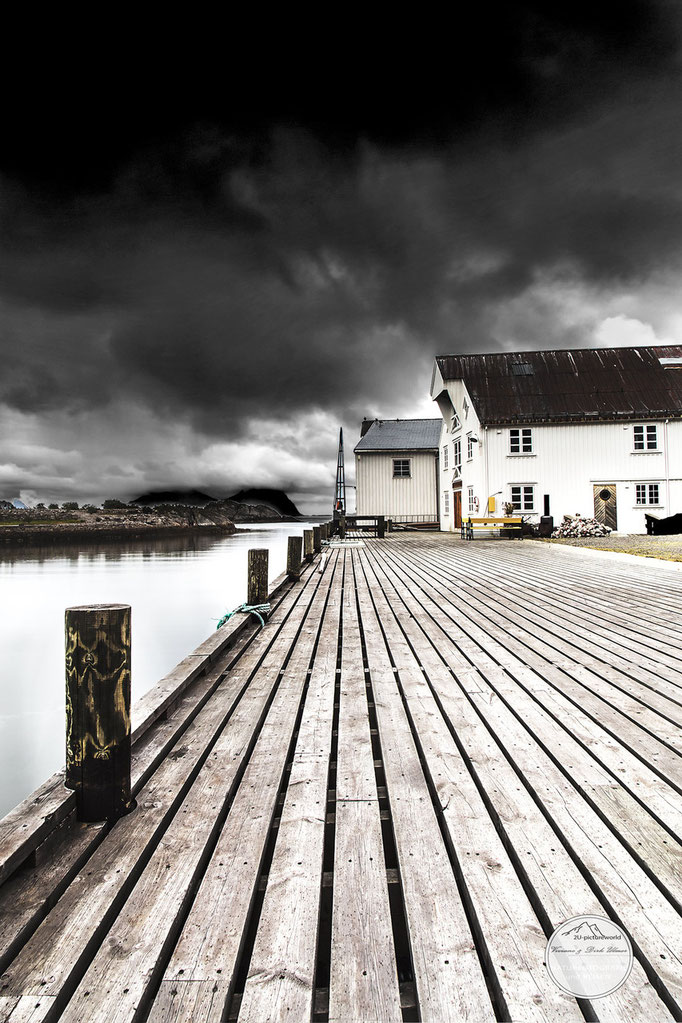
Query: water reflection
point(178, 588)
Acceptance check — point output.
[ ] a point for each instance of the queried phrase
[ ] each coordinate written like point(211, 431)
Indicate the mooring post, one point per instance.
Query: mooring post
point(294, 548)
point(381, 527)
point(98, 710)
point(317, 539)
point(324, 530)
point(342, 527)
point(308, 544)
point(257, 583)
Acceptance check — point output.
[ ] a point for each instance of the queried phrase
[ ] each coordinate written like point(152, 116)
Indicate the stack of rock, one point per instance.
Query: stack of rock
point(577, 525)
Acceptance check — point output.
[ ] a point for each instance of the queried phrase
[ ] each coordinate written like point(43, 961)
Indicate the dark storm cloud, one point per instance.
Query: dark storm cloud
point(307, 236)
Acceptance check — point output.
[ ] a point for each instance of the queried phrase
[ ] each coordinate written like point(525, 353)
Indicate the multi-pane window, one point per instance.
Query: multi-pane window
point(472, 500)
point(401, 468)
point(457, 454)
point(445, 456)
point(470, 447)
point(454, 422)
point(523, 497)
point(646, 493)
point(521, 441)
point(446, 502)
point(645, 437)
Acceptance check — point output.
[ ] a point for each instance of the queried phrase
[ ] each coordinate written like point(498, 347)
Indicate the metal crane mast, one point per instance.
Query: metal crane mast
point(340, 495)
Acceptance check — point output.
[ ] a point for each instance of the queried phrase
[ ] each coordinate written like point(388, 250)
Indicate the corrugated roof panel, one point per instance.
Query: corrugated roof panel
point(581, 383)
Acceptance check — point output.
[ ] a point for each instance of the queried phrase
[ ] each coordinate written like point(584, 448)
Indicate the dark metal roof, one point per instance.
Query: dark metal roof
point(401, 435)
point(584, 384)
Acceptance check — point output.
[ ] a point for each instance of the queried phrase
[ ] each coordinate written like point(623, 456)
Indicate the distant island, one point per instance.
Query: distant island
point(156, 513)
point(276, 500)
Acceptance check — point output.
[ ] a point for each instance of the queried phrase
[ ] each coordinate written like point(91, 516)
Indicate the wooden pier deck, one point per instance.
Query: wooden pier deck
point(379, 806)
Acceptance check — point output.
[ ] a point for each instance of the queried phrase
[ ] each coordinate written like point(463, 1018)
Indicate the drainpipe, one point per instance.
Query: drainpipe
point(667, 468)
point(487, 480)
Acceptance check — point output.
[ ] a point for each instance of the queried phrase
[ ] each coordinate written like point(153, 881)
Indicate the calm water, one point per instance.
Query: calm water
point(178, 588)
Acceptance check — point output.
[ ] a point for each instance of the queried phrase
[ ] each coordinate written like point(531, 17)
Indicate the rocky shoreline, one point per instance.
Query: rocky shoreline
point(32, 525)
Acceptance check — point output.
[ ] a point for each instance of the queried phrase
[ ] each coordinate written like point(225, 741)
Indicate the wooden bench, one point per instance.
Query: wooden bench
point(488, 522)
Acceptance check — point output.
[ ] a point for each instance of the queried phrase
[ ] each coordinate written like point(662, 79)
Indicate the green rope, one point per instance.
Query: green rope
point(253, 609)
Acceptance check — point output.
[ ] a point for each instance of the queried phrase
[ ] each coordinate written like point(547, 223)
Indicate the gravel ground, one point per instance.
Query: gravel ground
point(667, 548)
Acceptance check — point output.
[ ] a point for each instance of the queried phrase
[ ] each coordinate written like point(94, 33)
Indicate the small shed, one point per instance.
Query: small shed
point(397, 469)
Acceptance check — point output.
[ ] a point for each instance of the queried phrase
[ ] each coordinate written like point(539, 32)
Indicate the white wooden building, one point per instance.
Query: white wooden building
point(591, 431)
point(396, 469)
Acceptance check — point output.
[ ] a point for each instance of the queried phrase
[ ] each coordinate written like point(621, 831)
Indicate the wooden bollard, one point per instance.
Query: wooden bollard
point(98, 710)
point(294, 548)
point(317, 539)
point(381, 527)
point(257, 585)
point(342, 527)
point(308, 544)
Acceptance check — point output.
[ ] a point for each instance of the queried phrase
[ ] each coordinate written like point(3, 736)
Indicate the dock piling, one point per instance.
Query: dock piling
point(294, 548)
point(317, 539)
point(381, 526)
point(98, 710)
point(257, 585)
point(342, 527)
point(308, 544)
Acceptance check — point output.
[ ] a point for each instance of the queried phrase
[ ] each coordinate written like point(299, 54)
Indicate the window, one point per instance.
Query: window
point(446, 502)
point(401, 468)
point(523, 497)
point(470, 448)
point(454, 422)
point(646, 493)
point(522, 369)
point(472, 500)
point(645, 438)
point(457, 455)
point(521, 442)
point(445, 456)
point(465, 408)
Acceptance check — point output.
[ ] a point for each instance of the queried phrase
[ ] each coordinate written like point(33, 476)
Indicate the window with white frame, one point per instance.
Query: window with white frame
point(454, 422)
point(457, 454)
point(445, 456)
point(647, 493)
point(523, 497)
point(645, 437)
point(446, 502)
point(401, 468)
point(470, 448)
point(521, 441)
point(472, 500)
point(465, 408)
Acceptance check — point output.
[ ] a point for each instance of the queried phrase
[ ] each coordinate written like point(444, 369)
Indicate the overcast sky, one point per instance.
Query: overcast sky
point(219, 246)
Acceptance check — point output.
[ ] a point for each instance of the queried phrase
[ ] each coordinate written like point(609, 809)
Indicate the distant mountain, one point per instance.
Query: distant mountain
point(275, 499)
point(192, 497)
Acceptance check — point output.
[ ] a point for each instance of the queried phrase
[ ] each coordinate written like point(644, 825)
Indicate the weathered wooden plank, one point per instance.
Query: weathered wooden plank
point(363, 983)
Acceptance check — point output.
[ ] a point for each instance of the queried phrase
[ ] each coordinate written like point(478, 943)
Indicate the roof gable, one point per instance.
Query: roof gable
point(567, 386)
